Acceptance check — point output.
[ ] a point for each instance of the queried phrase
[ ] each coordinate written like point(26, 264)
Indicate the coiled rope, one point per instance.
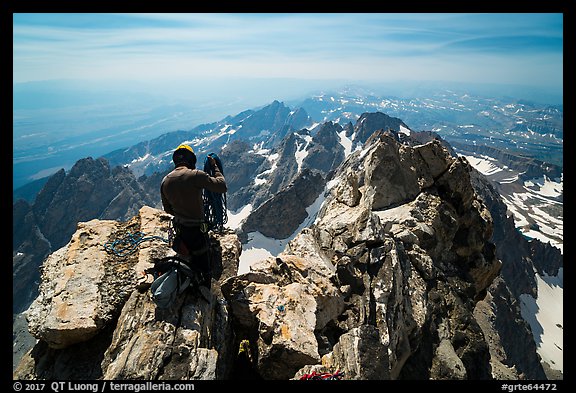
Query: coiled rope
point(215, 209)
point(128, 244)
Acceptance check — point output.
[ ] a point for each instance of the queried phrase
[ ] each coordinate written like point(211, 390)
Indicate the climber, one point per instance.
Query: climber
point(181, 193)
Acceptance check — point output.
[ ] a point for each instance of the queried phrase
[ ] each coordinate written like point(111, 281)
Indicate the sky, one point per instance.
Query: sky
point(523, 48)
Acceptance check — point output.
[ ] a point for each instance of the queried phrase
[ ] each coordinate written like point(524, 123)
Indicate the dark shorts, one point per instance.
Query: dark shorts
point(194, 245)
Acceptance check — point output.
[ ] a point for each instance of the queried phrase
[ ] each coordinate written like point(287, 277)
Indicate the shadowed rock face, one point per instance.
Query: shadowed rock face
point(91, 189)
point(395, 262)
point(280, 216)
point(383, 286)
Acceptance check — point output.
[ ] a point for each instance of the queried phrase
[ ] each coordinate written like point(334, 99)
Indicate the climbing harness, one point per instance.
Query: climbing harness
point(324, 376)
point(128, 244)
point(177, 243)
point(215, 210)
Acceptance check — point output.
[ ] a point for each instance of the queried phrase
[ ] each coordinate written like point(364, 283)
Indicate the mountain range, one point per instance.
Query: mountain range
point(281, 164)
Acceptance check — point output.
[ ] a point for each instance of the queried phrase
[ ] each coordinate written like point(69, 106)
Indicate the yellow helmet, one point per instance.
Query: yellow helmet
point(185, 147)
point(184, 155)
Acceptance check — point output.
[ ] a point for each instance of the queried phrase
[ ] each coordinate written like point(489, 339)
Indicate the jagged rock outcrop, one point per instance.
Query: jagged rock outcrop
point(396, 279)
point(90, 190)
point(279, 306)
point(280, 216)
point(367, 123)
point(90, 303)
point(284, 170)
point(395, 262)
point(30, 248)
point(240, 156)
point(290, 179)
point(264, 126)
point(510, 338)
point(326, 153)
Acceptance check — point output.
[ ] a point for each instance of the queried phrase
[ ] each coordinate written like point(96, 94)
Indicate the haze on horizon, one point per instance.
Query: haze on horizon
point(87, 84)
point(299, 51)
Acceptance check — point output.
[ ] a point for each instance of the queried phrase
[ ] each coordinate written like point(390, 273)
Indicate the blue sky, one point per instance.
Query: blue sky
point(523, 48)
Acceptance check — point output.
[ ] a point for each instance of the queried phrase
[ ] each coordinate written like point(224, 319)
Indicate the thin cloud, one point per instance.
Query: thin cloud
point(375, 46)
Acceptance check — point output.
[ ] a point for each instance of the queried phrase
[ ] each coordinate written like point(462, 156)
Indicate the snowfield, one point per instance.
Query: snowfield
point(545, 316)
point(538, 214)
point(535, 204)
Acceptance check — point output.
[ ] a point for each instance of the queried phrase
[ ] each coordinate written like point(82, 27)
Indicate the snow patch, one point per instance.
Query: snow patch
point(272, 158)
point(332, 183)
point(484, 164)
point(257, 248)
point(301, 152)
point(140, 159)
point(313, 126)
point(404, 130)
point(236, 218)
point(312, 211)
point(546, 187)
point(345, 142)
point(259, 149)
point(545, 315)
point(510, 179)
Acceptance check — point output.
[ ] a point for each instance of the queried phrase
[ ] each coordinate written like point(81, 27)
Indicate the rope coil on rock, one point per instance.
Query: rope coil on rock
point(128, 244)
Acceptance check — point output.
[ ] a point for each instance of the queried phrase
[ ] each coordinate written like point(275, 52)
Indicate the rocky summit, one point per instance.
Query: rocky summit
point(383, 285)
point(91, 302)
